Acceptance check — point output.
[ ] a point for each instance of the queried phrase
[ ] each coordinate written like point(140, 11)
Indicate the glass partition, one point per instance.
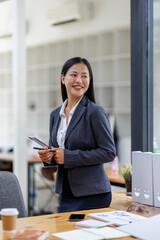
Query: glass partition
point(156, 57)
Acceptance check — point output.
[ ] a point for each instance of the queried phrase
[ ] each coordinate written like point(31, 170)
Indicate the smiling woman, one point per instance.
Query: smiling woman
point(81, 136)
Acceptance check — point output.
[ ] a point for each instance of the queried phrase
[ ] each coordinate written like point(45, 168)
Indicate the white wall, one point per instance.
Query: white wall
point(109, 14)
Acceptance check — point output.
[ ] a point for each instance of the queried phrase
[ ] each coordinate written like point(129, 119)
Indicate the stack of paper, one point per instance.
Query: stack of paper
point(91, 234)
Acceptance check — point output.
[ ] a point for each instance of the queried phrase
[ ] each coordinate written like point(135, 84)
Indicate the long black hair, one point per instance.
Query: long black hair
point(69, 63)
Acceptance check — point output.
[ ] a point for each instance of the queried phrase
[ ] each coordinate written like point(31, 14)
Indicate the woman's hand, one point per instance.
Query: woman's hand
point(45, 155)
point(59, 155)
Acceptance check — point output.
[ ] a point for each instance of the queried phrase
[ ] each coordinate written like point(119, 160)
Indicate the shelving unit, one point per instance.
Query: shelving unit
point(109, 55)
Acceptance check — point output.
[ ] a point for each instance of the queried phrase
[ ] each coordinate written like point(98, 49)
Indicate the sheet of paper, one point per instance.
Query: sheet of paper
point(108, 232)
point(91, 234)
point(78, 234)
point(117, 217)
point(91, 223)
point(147, 229)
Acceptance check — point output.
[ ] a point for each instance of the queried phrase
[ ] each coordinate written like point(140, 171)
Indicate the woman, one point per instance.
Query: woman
point(81, 136)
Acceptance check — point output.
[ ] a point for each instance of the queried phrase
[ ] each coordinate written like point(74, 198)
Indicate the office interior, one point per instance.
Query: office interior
point(98, 30)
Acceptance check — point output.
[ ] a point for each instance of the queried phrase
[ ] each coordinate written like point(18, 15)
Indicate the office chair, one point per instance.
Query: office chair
point(48, 173)
point(10, 193)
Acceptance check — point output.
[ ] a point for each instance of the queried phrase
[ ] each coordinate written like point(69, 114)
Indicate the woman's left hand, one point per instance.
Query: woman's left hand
point(59, 155)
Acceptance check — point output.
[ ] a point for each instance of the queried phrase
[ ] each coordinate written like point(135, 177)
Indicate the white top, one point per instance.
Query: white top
point(63, 123)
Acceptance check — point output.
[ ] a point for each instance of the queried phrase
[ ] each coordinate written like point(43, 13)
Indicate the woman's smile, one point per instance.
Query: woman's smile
point(77, 87)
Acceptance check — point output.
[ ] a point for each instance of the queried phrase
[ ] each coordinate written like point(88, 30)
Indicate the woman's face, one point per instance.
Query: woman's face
point(76, 80)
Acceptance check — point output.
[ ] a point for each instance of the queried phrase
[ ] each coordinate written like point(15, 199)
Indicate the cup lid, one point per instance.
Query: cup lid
point(9, 211)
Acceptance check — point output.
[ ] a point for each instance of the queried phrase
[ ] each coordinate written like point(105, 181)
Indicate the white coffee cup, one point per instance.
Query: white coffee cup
point(9, 219)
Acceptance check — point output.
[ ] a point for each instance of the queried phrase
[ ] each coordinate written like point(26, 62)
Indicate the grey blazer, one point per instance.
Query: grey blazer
point(88, 144)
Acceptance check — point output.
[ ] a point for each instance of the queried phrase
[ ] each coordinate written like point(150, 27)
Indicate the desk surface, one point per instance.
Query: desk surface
point(9, 157)
point(114, 178)
point(59, 222)
point(6, 157)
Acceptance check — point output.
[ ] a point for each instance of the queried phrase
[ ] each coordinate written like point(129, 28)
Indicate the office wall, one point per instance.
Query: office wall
point(109, 14)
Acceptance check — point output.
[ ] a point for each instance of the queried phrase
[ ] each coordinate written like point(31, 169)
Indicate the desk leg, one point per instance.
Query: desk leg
point(28, 189)
point(31, 189)
point(34, 188)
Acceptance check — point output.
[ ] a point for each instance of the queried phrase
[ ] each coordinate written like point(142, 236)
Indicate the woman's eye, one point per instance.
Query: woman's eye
point(84, 76)
point(73, 75)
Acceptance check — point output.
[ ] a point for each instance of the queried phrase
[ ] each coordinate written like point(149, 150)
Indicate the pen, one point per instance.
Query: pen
point(38, 148)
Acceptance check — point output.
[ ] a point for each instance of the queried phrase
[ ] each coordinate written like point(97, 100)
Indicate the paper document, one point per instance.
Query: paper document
point(91, 234)
point(146, 229)
point(108, 232)
point(117, 217)
point(91, 223)
point(77, 234)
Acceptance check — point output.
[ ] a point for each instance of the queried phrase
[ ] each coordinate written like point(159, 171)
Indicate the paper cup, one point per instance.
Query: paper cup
point(9, 219)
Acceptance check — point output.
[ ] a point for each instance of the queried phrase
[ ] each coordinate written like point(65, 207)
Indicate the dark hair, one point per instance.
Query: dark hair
point(69, 63)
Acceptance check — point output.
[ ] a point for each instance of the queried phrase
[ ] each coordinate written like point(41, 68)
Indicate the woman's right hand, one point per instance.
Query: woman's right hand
point(45, 155)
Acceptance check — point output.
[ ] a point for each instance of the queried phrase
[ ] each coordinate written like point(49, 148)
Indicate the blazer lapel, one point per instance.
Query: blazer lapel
point(77, 115)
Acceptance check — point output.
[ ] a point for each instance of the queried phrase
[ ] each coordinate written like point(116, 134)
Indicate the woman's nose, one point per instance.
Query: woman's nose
point(78, 79)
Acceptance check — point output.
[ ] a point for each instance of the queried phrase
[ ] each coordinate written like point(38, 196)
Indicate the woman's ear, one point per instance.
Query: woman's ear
point(62, 78)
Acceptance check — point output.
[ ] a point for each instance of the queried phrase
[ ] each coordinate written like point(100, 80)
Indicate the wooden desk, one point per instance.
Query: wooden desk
point(59, 222)
point(114, 178)
point(53, 223)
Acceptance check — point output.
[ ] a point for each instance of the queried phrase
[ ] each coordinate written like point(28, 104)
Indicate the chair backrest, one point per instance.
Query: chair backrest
point(10, 193)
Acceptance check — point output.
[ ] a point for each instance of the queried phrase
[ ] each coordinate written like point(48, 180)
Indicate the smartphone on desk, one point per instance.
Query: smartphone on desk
point(76, 217)
point(42, 144)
